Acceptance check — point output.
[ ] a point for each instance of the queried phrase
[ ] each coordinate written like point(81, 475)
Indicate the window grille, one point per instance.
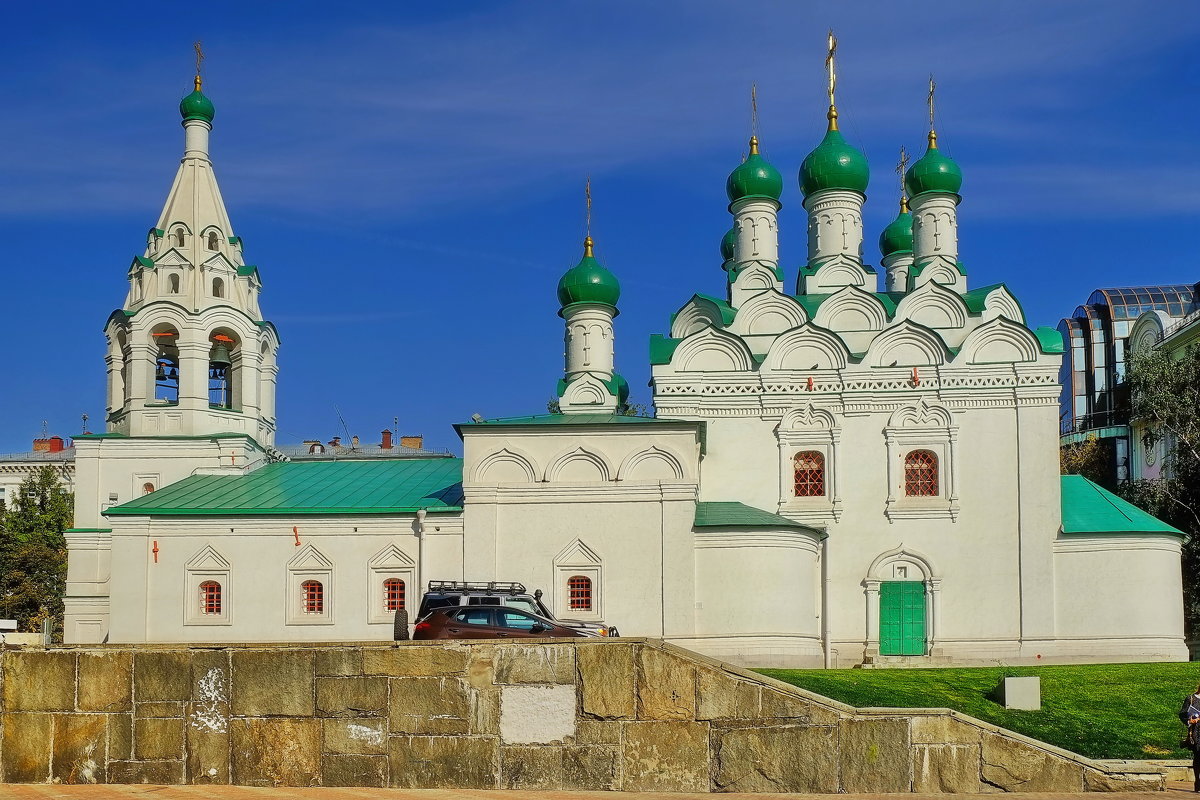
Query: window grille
point(810, 474)
point(921, 474)
point(313, 595)
point(393, 594)
point(210, 597)
point(579, 593)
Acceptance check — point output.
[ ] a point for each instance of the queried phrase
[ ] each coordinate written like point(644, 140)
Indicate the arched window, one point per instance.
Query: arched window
point(147, 488)
point(212, 240)
point(921, 474)
point(179, 237)
point(173, 284)
point(218, 287)
point(809, 474)
point(393, 594)
point(312, 597)
point(210, 597)
point(579, 593)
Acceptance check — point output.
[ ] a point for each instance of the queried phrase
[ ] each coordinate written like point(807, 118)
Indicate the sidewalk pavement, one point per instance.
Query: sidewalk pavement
point(42, 791)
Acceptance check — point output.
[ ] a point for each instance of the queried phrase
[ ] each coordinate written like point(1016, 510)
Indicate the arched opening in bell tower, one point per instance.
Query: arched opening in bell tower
point(221, 370)
point(166, 364)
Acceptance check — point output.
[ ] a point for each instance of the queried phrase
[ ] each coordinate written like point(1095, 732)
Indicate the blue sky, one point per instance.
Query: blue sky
point(409, 177)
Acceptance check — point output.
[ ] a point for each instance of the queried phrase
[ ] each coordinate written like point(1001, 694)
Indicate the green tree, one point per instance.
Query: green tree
point(33, 551)
point(1165, 400)
point(1089, 458)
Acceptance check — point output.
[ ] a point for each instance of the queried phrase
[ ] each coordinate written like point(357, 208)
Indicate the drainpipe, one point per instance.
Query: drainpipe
point(825, 629)
point(420, 551)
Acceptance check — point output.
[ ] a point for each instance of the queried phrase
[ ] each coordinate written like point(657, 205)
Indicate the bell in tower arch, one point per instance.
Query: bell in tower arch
point(220, 364)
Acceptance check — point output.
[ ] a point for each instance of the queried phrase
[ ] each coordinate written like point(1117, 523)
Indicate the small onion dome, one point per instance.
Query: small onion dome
point(754, 177)
point(727, 244)
point(834, 164)
point(897, 237)
point(197, 106)
point(622, 388)
point(933, 172)
point(588, 281)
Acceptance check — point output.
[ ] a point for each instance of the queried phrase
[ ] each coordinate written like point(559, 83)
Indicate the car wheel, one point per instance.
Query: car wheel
point(613, 632)
point(400, 626)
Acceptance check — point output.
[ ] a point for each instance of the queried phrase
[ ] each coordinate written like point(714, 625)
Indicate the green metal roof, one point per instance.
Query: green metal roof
point(311, 487)
point(662, 348)
point(740, 515)
point(248, 269)
point(1088, 508)
point(575, 419)
point(148, 263)
point(1050, 339)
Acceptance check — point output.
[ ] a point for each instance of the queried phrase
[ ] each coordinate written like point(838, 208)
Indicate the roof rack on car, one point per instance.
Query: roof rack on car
point(490, 587)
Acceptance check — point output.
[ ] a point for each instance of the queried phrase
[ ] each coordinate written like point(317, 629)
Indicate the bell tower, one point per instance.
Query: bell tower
point(191, 372)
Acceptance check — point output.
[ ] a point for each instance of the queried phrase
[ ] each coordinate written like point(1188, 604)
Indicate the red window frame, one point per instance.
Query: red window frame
point(210, 597)
point(579, 593)
point(921, 474)
point(809, 473)
point(393, 594)
point(312, 597)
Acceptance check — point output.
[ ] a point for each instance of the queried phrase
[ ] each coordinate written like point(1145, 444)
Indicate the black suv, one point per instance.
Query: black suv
point(442, 594)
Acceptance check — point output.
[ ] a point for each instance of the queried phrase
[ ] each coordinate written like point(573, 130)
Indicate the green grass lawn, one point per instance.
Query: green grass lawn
point(1097, 710)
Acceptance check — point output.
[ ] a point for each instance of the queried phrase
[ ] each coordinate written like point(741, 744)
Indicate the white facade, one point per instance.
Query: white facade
point(837, 477)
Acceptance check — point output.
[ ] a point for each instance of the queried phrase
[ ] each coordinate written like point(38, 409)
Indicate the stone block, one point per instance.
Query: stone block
point(535, 663)
point(443, 762)
point(1024, 694)
point(171, 709)
point(666, 686)
point(537, 714)
point(944, 729)
point(723, 696)
point(416, 660)
point(782, 758)
point(531, 767)
point(595, 731)
point(207, 756)
point(355, 736)
point(276, 751)
point(481, 666)
point(339, 661)
point(354, 770)
point(106, 681)
point(352, 697)
point(1097, 781)
point(272, 683)
point(946, 769)
point(1018, 767)
point(608, 674)
point(485, 711)
point(875, 756)
point(665, 757)
point(209, 712)
point(159, 773)
point(26, 747)
point(160, 675)
point(79, 748)
point(590, 768)
point(39, 681)
point(120, 737)
point(775, 704)
point(156, 739)
point(429, 706)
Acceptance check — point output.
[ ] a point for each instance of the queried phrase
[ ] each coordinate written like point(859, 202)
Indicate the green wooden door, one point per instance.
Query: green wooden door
point(902, 618)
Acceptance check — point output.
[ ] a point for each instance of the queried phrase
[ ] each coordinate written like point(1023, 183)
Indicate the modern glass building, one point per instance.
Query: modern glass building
point(1096, 339)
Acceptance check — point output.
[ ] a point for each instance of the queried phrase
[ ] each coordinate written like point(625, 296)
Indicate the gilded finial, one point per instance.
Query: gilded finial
point(198, 82)
point(831, 71)
point(903, 204)
point(753, 145)
point(587, 247)
point(929, 100)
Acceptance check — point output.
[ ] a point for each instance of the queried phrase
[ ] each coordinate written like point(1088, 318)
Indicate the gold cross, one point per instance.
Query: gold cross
point(932, 87)
point(587, 193)
point(753, 110)
point(830, 66)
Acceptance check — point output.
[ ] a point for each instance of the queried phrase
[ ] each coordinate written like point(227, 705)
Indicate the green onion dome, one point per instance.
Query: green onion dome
point(897, 237)
point(727, 244)
point(754, 177)
point(588, 282)
point(933, 172)
point(834, 164)
point(622, 388)
point(196, 105)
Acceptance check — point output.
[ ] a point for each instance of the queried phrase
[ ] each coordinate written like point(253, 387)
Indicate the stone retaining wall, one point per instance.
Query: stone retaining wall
point(626, 714)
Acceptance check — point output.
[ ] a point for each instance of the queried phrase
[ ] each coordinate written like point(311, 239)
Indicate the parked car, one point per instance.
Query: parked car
point(509, 594)
point(489, 622)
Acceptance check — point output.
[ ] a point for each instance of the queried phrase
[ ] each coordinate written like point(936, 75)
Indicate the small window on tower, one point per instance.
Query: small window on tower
point(179, 237)
point(212, 240)
point(218, 288)
point(147, 488)
point(173, 284)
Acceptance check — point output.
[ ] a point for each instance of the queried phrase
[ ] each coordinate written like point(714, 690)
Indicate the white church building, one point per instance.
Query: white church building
point(836, 473)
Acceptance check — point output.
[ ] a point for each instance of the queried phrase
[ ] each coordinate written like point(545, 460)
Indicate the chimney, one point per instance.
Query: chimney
point(41, 445)
point(56, 444)
point(414, 442)
point(335, 441)
point(386, 443)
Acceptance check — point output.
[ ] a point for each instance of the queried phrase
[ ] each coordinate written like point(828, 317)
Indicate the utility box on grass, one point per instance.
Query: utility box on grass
point(1024, 694)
